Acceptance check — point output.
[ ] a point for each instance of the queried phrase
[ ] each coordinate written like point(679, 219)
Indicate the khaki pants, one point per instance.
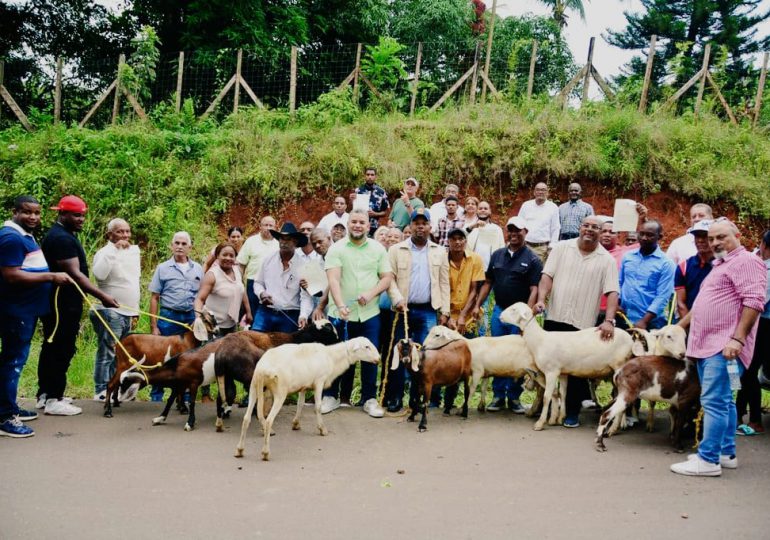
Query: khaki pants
point(541, 252)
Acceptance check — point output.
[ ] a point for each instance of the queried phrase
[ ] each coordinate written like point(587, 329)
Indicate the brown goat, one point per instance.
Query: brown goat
point(445, 365)
point(654, 378)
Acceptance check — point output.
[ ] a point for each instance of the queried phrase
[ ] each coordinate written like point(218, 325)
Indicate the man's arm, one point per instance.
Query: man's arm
point(735, 345)
point(543, 290)
point(14, 275)
point(335, 289)
point(154, 309)
point(72, 267)
point(533, 291)
point(484, 291)
point(104, 261)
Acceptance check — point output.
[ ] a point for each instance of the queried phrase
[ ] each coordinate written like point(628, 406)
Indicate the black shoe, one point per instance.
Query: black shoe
point(394, 407)
point(497, 405)
point(244, 402)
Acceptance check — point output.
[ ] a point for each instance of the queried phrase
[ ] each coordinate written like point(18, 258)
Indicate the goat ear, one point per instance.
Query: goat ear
point(396, 358)
point(199, 330)
point(415, 359)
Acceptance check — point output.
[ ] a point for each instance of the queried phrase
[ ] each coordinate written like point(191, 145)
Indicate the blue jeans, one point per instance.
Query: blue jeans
point(270, 320)
point(342, 386)
point(253, 300)
point(720, 416)
point(104, 364)
point(15, 336)
point(503, 387)
point(170, 329)
point(420, 320)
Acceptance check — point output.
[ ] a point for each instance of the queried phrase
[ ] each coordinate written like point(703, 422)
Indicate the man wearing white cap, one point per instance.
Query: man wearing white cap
point(406, 204)
point(683, 248)
point(691, 272)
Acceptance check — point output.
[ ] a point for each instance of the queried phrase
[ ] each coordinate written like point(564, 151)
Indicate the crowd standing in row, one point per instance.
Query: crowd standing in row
point(435, 266)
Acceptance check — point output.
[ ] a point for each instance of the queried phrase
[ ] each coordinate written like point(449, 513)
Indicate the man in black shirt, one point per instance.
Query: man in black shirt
point(64, 253)
point(513, 274)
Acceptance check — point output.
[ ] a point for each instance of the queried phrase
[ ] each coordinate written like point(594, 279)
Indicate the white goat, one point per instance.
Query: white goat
point(558, 354)
point(503, 356)
point(297, 368)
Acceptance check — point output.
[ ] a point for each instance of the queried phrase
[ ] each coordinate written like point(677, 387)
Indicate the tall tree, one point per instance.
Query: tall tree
point(559, 9)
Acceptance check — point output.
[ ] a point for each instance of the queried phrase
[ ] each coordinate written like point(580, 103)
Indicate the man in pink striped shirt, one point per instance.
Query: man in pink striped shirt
point(723, 328)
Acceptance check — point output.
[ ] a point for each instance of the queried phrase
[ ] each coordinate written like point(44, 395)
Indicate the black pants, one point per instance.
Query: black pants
point(750, 395)
point(55, 357)
point(577, 388)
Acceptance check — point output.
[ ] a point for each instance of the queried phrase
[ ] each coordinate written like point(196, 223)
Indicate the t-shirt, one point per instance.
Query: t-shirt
point(59, 245)
point(399, 214)
point(689, 277)
point(19, 249)
point(513, 275)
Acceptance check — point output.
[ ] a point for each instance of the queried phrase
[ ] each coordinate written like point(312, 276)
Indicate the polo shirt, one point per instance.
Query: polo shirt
point(361, 269)
point(461, 279)
point(512, 275)
point(253, 252)
point(646, 285)
point(18, 248)
point(176, 285)
point(59, 245)
point(399, 214)
point(689, 277)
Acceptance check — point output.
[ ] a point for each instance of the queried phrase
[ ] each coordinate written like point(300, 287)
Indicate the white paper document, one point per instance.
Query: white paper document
point(486, 236)
point(361, 202)
point(626, 217)
point(315, 276)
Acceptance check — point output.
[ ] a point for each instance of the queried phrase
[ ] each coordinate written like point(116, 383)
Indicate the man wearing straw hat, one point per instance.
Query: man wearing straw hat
point(64, 253)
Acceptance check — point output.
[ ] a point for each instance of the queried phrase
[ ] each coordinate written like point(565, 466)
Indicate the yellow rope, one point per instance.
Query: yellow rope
point(386, 365)
point(172, 321)
point(698, 421)
point(671, 311)
point(623, 315)
point(56, 312)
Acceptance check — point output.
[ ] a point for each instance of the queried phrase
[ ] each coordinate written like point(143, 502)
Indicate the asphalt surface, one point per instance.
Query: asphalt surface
point(490, 476)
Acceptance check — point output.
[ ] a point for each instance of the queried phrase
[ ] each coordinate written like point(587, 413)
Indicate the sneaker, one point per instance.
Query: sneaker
point(25, 415)
point(100, 396)
point(345, 404)
point(497, 405)
point(589, 404)
point(59, 407)
point(727, 462)
point(571, 422)
point(42, 399)
point(373, 409)
point(328, 404)
point(697, 467)
point(516, 407)
point(13, 427)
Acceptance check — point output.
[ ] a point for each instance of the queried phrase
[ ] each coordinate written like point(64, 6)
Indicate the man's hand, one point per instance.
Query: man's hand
point(400, 307)
point(732, 349)
point(61, 278)
point(353, 196)
point(363, 299)
point(641, 324)
point(443, 319)
point(404, 198)
point(266, 299)
point(372, 213)
point(303, 283)
point(249, 319)
point(318, 314)
point(110, 302)
point(344, 312)
point(155, 331)
point(452, 323)
point(606, 331)
point(642, 211)
point(539, 308)
point(302, 322)
point(461, 324)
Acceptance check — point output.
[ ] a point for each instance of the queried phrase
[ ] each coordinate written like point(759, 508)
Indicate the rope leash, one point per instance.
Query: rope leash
point(698, 422)
point(386, 365)
point(172, 321)
point(671, 311)
point(623, 316)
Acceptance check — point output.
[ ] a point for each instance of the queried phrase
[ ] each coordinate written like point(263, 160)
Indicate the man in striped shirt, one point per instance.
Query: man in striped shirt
point(723, 328)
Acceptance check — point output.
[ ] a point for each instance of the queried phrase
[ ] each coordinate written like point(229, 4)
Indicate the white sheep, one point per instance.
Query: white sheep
point(503, 356)
point(297, 368)
point(558, 354)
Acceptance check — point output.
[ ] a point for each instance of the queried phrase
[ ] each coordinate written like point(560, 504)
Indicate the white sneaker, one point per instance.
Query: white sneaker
point(727, 462)
point(328, 404)
point(373, 409)
point(40, 402)
point(697, 467)
point(57, 407)
point(101, 396)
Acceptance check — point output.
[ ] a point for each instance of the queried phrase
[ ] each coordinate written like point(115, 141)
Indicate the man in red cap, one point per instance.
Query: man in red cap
point(64, 253)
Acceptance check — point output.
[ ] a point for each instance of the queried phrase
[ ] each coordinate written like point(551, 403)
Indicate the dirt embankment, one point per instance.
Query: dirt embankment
point(671, 209)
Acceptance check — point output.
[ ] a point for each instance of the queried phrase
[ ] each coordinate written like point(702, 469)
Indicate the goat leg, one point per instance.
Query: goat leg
point(650, 416)
point(162, 418)
point(426, 391)
point(467, 393)
point(190, 425)
point(300, 406)
point(220, 409)
point(318, 416)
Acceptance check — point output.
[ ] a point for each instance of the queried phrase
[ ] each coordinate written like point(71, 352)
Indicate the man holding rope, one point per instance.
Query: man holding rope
point(64, 253)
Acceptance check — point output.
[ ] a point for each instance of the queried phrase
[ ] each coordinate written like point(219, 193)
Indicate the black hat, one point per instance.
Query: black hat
point(289, 230)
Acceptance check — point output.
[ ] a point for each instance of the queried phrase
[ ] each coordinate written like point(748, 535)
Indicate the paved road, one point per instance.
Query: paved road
point(489, 477)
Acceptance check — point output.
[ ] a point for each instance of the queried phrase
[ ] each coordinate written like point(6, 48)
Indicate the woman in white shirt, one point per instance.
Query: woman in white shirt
point(222, 291)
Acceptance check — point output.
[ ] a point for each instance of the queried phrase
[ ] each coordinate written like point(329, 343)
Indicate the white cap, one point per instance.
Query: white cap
point(518, 222)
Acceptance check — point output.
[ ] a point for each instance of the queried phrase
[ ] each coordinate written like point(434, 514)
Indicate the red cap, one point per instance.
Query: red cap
point(71, 203)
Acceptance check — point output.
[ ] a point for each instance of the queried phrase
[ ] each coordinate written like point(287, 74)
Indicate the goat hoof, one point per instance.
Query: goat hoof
point(108, 415)
point(220, 429)
point(481, 409)
point(239, 452)
point(265, 456)
point(323, 432)
point(538, 427)
point(158, 420)
point(600, 447)
point(410, 419)
point(188, 427)
point(295, 427)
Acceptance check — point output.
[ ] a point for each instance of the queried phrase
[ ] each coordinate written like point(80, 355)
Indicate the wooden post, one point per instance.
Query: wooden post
point(116, 101)
point(237, 93)
point(416, 79)
point(760, 90)
point(647, 74)
point(453, 89)
point(703, 72)
point(589, 65)
point(57, 92)
point(179, 75)
point(293, 82)
point(356, 72)
point(489, 51)
point(475, 78)
point(532, 61)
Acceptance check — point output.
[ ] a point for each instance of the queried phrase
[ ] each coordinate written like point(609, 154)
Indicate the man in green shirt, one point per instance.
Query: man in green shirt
point(406, 204)
point(358, 270)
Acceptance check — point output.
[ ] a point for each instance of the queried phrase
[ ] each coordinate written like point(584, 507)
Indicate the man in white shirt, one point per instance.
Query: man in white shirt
point(117, 271)
point(254, 251)
point(339, 214)
point(490, 240)
point(437, 211)
point(683, 248)
point(542, 218)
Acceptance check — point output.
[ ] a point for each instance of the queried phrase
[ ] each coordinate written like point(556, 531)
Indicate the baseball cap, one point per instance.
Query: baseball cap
point(457, 230)
point(518, 222)
point(412, 179)
point(420, 212)
point(702, 226)
point(71, 203)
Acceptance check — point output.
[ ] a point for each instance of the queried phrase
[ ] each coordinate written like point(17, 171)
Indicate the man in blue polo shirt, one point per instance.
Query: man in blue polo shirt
point(691, 273)
point(646, 279)
point(24, 287)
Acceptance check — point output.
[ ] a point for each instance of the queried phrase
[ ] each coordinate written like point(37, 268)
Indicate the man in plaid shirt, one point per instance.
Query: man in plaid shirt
point(378, 199)
point(572, 213)
point(450, 222)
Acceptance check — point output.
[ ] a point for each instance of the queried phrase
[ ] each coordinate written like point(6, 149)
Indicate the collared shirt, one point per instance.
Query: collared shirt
point(400, 216)
point(571, 215)
point(646, 285)
point(331, 219)
point(682, 248)
point(378, 202)
point(419, 278)
point(304, 258)
point(60, 245)
point(617, 253)
point(445, 225)
point(737, 281)
point(690, 275)
point(283, 285)
point(579, 281)
point(253, 253)
point(19, 249)
point(462, 277)
point(485, 241)
point(438, 211)
point(542, 221)
point(512, 274)
point(176, 285)
point(361, 265)
point(117, 273)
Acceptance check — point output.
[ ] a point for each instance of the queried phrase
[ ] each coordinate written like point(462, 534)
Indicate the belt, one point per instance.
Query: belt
point(181, 312)
point(537, 244)
point(426, 305)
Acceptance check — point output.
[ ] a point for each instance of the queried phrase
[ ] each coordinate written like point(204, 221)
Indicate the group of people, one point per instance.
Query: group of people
point(430, 266)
